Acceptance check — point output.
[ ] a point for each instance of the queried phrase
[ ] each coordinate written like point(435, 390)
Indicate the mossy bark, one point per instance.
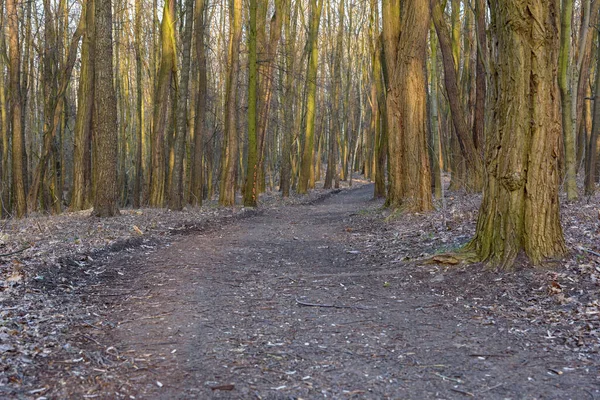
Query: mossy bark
point(520, 208)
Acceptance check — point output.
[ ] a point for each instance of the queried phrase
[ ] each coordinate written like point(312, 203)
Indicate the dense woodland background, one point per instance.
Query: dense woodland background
point(133, 103)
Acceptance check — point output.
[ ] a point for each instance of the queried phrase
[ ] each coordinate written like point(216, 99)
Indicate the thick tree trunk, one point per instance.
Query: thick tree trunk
point(105, 119)
point(520, 209)
point(405, 53)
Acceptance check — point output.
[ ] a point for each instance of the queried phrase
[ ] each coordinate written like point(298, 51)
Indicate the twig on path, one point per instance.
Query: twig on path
point(444, 377)
point(15, 252)
point(589, 251)
point(304, 303)
point(463, 392)
point(490, 388)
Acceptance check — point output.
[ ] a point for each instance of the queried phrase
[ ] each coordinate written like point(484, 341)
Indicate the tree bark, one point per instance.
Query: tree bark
point(311, 84)
point(105, 119)
point(405, 54)
point(229, 157)
point(176, 192)
point(161, 104)
point(520, 208)
point(82, 168)
point(567, 99)
point(250, 191)
point(19, 171)
point(459, 117)
point(197, 179)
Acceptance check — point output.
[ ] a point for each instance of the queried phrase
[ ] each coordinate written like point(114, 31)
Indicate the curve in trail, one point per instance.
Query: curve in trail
point(292, 304)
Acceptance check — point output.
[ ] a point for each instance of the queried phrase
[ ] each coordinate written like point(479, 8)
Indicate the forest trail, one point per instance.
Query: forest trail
point(296, 302)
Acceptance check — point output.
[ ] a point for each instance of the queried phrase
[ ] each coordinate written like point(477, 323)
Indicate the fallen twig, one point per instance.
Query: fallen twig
point(304, 303)
point(15, 252)
point(589, 251)
point(444, 377)
point(463, 392)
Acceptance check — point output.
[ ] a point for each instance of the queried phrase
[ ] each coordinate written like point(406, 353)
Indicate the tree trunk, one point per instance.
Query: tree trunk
point(250, 191)
point(105, 119)
point(82, 169)
point(229, 157)
point(332, 159)
point(19, 171)
point(520, 209)
point(594, 142)
point(405, 53)
point(435, 129)
point(288, 100)
point(161, 104)
point(176, 192)
point(311, 83)
point(459, 117)
point(567, 99)
point(197, 179)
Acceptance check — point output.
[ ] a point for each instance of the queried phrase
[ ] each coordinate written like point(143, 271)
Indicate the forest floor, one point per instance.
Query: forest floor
point(329, 296)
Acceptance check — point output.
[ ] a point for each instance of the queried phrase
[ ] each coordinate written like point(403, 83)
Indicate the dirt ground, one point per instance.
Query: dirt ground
point(330, 299)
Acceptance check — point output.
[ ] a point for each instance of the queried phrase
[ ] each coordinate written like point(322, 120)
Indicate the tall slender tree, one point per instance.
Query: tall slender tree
point(81, 195)
point(176, 192)
point(197, 169)
point(311, 84)
point(19, 171)
point(229, 157)
point(567, 100)
point(250, 191)
point(161, 104)
point(105, 119)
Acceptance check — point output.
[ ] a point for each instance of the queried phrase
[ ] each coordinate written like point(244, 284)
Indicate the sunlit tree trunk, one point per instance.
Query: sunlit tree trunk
point(105, 119)
point(520, 209)
point(229, 157)
point(405, 53)
point(311, 83)
point(161, 104)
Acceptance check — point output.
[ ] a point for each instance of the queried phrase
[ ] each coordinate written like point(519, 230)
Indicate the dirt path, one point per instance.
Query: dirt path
point(297, 302)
